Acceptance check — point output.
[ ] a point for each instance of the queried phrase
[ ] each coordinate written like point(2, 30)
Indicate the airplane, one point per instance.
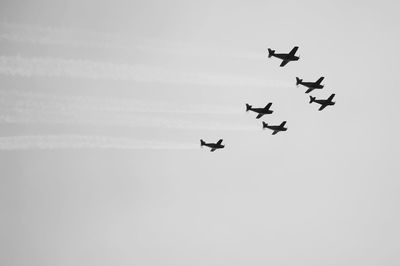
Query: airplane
point(260, 111)
point(276, 128)
point(213, 146)
point(324, 103)
point(286, 58)
point(310, 85)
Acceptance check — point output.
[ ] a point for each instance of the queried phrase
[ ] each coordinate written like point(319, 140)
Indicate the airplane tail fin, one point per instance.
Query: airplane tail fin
point(270, 52)
point(298, 81)
point(248, 106)
point(264, 125)
point(312, 99)
point(202, 143)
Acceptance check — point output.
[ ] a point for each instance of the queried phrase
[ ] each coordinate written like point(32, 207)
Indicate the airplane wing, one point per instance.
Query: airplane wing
point(213, 149)
point(294, 50)
point(268, 106)
point(320, 80)
point(309, 90)
point(284, 62)
point(275, 131)
point(331, 97)
point(219, 142)
point(259, 116)
point(322, 107)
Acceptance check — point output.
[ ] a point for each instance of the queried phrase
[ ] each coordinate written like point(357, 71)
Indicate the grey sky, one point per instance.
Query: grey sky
point(102, 106)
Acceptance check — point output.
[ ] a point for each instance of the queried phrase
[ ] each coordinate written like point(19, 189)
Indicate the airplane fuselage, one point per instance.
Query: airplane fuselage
point(276, 128)
point(261, 111)
point(311, 85)
point(286, 57)
point(324, 102)
point(214, 145)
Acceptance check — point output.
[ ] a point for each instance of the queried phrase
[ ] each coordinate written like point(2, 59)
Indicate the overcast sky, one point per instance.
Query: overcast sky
point(102, 106)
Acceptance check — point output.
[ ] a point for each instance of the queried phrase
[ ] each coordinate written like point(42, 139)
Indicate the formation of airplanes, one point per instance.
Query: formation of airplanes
point(266, 111)
point(310, 85)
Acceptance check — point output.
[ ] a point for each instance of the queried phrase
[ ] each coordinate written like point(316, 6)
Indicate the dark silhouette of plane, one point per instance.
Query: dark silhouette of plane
point(323, 102)
point(213, 146)
point(286, 58)
point(276, 128)
point(260, 111)
point(310, 85)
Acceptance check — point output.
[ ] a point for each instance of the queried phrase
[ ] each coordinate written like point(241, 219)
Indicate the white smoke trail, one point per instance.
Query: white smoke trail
point(78, 38)
point(55, 31)
point(32, 108)
point(86, 142)
point(46, 40)
point(39, 35)
point(29, 118)
point(85, 69)
point(49, 103)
